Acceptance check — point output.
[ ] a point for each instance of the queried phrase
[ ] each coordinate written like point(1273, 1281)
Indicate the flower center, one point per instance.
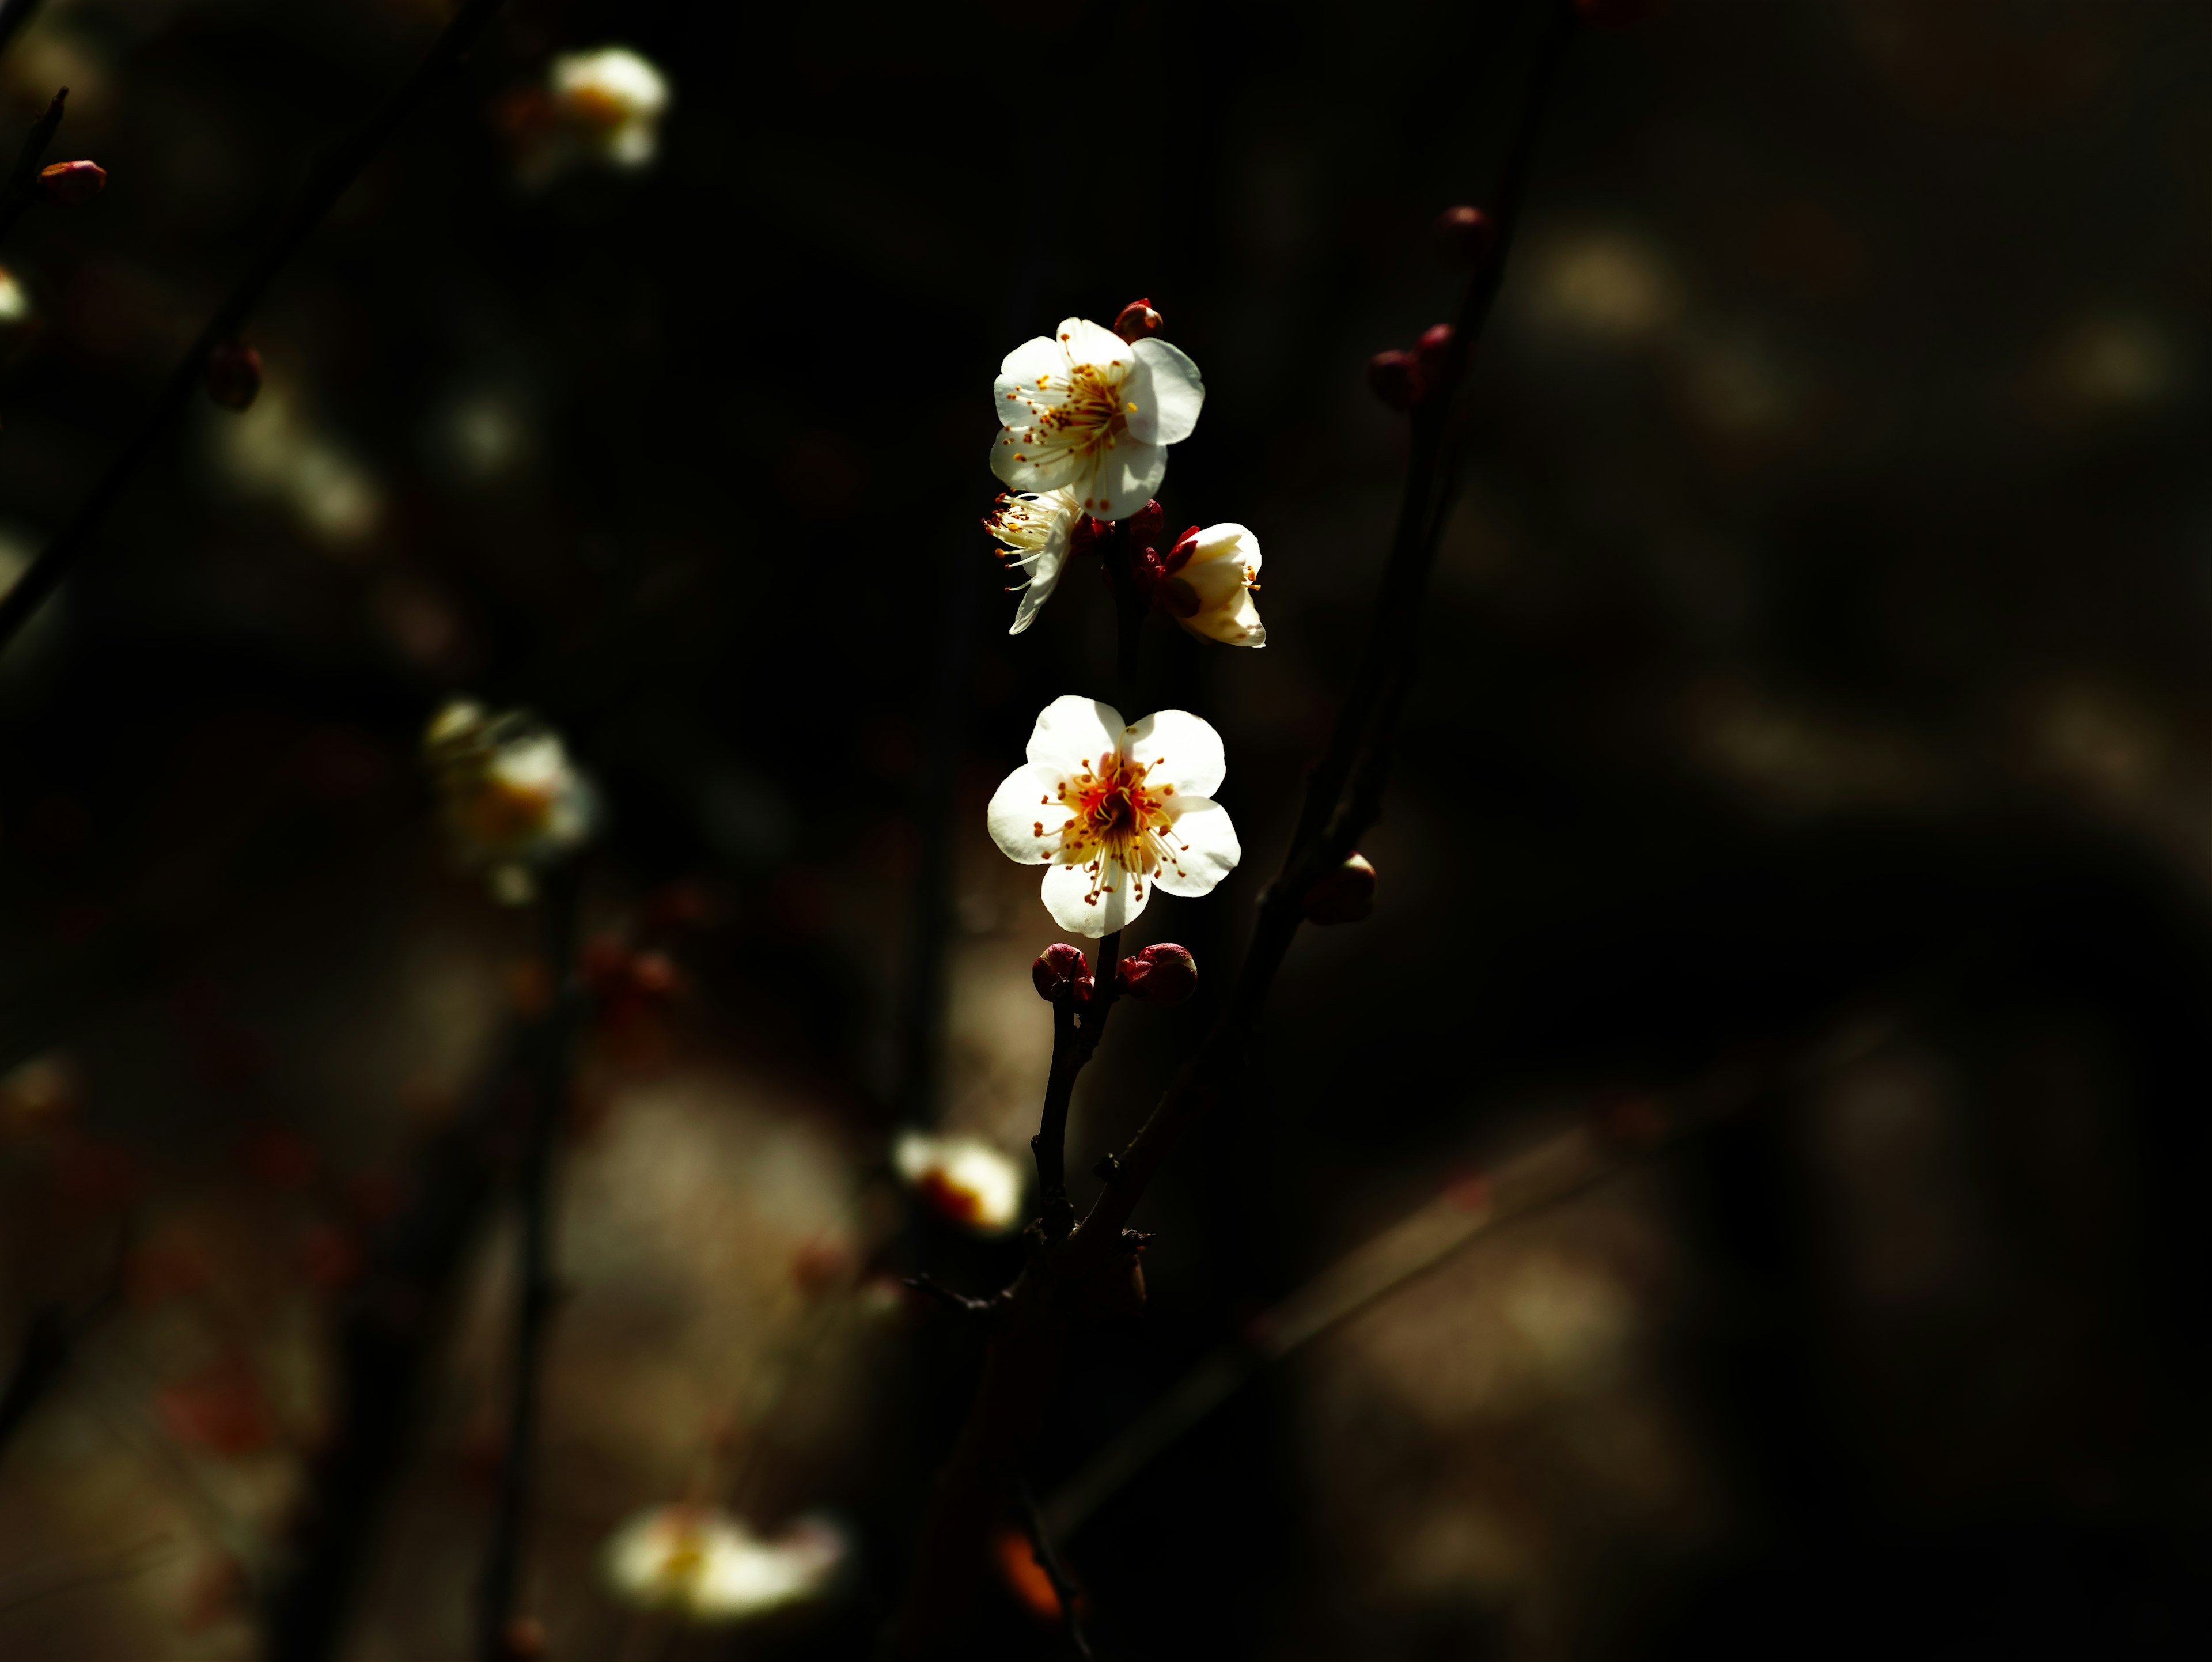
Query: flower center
point(1092, 417)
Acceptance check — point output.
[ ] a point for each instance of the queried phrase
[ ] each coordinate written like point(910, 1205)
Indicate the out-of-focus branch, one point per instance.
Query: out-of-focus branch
point(22, 185)
point(1063, 1585)
point(1342, 797)
point(536, 1292)
point(325, 186)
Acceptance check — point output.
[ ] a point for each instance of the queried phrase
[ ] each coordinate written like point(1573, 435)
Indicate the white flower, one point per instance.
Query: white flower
point(702, 1563)
point(612, 100)
point(512, 800)
point(1035, 527)
point(1206, 584)
point(1114, 810)
point(966, 1180)
point(1087, 410)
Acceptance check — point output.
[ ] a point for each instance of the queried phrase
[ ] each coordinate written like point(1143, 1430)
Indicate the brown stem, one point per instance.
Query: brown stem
point(325, 186)
point(1076, 1030)
point(536, 1292)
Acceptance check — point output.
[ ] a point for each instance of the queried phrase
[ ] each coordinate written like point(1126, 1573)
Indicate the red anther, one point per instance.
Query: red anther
point(1466, 234)
point(1396, 378)
point(1138, 320)
point(1061, 974)
point(1345, 896)
point(1164, 973)
point(233, 374)
point(66, 184)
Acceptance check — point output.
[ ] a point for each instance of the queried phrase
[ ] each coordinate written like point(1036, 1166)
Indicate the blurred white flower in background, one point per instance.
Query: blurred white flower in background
point(271, 451)
point(1084, 409)
point(1603, 284)
point(704, 1565)
point(1035, 527)
point(14, 302)
point(963, 1180)
point(604, 105)
point(1114, 810)
point(513, 801)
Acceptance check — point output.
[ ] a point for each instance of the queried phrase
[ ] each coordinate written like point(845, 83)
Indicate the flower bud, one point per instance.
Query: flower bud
point(1061, 974)
point(1467, 235)
point(1144, 526)
point(66, 184)
point(1396, 378)
point(1436, 341)
point(1161, 974)
point(233, 374)
point(1137, 320)
point(1345, 896)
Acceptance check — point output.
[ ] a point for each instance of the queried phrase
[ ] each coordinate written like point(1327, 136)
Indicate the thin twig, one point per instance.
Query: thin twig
point(21, 189)
point(325, 186)
point(536, 1292)
point(1063, 1585)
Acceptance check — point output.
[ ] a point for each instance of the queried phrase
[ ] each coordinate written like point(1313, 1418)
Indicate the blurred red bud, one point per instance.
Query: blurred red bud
point(1436, 341)
point(1161, 974)
point(1345, 896)
point(1062, 973)
point(1144, 526)
point(1396, 378)
point(1137, 320)
point(66, 184)
point(1466, 234)
point(233, 374)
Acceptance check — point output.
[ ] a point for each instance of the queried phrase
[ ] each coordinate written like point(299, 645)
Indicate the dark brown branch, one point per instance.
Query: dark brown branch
point(1025, 1359)
point(536, 1292)
point(21, 189)
point(1076, 1032)
point(325, 186)
point(1063, 1585)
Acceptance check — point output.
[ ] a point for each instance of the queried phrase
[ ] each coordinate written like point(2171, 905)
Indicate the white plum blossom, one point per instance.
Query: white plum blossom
point(1084, 409)
point(604, 105)
point(512, 800)
point(1206, 584)
point(700, 1563)
point(1035, 527)
point(1113, 811)
point(963, 1179)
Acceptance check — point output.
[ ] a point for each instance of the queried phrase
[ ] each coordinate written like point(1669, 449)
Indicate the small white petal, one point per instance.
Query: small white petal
point(1023, 466)
point(1085, 342)
point(1126, 478)
point(1179, 749)
point(1175, 390)
point(1025, 817)
point(1203, 847)
point(1036, 371)
point(1078, 901)
point(1071, 733)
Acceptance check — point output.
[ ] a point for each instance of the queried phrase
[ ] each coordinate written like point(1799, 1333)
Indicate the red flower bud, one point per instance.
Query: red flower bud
point(1061, 975)
point(1436, 341)
point(1144, 526)
point(1467, 235)
point(1396, 378)
point(1161, 974)
point(66, 184)
point(1137, 320)
point(1345, 896)
point(233, 374)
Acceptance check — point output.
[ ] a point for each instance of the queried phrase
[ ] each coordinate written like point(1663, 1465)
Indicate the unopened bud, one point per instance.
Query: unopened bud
point(1137, 320)
point(1345, 896)
point(1161, 974)
point(1061, 974)
point(68, 183)
point(1396, 378)
point(1466, 234)
point(1435, 343)
point(1144, 526)
point(233, 374)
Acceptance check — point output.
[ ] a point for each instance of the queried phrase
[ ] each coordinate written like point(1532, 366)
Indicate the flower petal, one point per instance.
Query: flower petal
point(1024, 816)
point(1025, 467)
point(1173, 390)
point(1075, 903)
point(1177, 749)
point(1128, 476)
point(1086, 343)
point(1036, 363)
point(1201, 846)
point(1044, 577)
point(1071, 733)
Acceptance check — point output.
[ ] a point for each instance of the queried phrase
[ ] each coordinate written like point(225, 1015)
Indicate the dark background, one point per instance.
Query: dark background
point(1814, 692)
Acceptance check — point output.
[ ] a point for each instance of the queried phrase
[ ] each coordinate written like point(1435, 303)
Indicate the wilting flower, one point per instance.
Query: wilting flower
point(512, 800)
point(612, 100)
point(702, 1563)
point(1035, 527)
point(961, 1178)
point(1113, 810)
point(1086, 411)
point(1205, 583)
